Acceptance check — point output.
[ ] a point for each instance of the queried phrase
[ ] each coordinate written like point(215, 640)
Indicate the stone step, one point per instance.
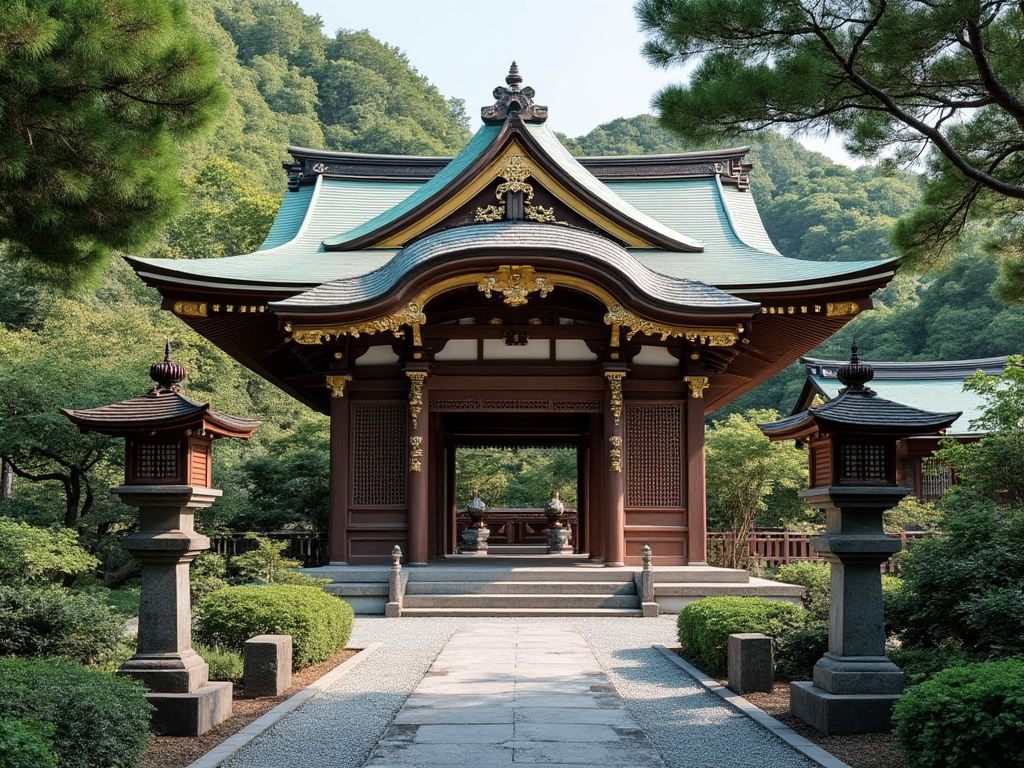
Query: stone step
point(357, 588)
point(495, 612)
point(498, 550)
point(522, 587)
point(481, 573)
point(497, 601)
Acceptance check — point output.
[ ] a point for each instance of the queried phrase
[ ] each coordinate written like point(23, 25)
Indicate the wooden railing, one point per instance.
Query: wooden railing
point(774, 548)
point(302, 545)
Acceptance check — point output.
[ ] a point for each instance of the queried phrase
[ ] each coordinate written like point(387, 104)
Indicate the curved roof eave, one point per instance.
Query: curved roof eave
point(510, 236)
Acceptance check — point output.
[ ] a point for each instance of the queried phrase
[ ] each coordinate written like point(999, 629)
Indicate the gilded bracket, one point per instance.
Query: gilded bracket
point(697, 385)
point(416, 379)
point(516, 283)
point(190, 309)
point(619, 317)
point(415, 453)
point(615, 384)
point(336, 384)
point(615, 453)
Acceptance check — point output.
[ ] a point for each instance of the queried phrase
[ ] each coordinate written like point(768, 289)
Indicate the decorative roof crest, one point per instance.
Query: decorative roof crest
point(514, 101)
point(855, 374)
point(167, 374)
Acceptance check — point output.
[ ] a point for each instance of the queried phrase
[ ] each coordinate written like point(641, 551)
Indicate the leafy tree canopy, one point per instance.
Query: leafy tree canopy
point(94, 95)
point(891, 77)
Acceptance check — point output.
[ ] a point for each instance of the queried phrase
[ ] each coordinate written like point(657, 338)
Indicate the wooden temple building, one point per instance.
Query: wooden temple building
point(516, 295)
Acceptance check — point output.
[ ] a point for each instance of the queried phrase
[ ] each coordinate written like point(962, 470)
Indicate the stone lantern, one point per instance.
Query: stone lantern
point(168, 440)
point(558, 535)
point(851, 447)
point(474, 538)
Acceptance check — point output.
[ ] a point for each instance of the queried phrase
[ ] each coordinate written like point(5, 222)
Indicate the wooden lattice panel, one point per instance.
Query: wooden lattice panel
point(654, 454)
point(379, 460)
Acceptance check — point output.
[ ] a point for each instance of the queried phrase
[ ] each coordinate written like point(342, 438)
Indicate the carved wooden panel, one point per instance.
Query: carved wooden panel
point(654, 454)
point(503, 405)
point(379, 461)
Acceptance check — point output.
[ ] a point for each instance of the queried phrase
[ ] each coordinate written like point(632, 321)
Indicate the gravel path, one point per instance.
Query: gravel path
point(689, 727)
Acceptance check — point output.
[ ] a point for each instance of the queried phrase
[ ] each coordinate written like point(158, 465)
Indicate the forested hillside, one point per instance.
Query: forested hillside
point(287, 82)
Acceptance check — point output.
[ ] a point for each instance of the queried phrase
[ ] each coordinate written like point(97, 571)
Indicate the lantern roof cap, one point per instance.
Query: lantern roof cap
point(859, 410)
point(163, 409)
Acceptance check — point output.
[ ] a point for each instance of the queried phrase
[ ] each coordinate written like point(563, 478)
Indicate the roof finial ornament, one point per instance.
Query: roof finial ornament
point(856, 374)
point(167, 373)
point(514, 101)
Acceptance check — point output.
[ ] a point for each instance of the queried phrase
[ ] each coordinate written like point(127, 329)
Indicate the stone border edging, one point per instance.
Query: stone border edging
point(237, 741)
point(807, 748)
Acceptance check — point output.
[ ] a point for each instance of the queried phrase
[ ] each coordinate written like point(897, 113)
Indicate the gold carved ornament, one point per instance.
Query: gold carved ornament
point(615, 384)
point(336, 384)
point(515, 173)
point(516, 283)
point(415, 453)
point(697, 385)
point(416, 379)
point(615, 453)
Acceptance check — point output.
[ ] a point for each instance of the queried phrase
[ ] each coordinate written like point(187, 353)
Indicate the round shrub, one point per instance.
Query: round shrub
point(26, 744)
point(815, 578)
point(798, 651)
point(964, 717)
point(50, 621)
point(319, 624)
point(704, 626)
point(100, 720)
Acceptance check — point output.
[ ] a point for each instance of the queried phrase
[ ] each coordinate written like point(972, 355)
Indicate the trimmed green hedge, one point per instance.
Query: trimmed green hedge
point(100, 720)
point(26, 744)
point(50, 621)
point(815, 578)
point(320, 624)
point(964, 717)
point(705, 625)
point(798, 651)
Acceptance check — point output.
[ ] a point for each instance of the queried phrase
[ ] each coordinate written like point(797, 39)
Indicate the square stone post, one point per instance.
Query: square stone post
point(186, 703)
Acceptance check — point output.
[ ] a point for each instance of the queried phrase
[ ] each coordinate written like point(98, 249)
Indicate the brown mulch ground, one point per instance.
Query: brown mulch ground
point(867, 750)
point(180, 751)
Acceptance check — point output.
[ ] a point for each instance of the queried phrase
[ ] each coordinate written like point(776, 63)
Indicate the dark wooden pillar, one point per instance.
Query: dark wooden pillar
point(614, 502)
point(595, 489)
point(337, 518)
point(696, 489)
point(419, 463)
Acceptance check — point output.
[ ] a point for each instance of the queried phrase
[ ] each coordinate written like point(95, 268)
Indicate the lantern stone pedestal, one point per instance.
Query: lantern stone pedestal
point(854, 684)
point(185, 702)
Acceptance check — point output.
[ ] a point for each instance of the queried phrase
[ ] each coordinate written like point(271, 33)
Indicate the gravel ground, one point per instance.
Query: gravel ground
point(690, 727)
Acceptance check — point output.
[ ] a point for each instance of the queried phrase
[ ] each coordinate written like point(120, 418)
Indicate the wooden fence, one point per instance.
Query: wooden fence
point(774, 548)
point(302, 545)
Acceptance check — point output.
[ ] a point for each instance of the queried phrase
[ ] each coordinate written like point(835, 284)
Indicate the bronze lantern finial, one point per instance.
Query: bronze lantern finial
point(855, 374)
point(167, 373)
point(513, 101)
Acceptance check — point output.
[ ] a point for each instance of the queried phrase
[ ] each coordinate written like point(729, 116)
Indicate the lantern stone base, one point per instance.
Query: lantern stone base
point(182, 672)
point(836, 714)
point(474, 541)
point(190, 714)
point(558, 541)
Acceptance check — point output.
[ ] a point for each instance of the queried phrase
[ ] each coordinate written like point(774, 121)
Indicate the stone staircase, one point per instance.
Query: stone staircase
point(543, 585)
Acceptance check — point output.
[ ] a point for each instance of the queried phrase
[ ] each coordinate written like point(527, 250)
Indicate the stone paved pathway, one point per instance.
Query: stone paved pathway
point(498, 694)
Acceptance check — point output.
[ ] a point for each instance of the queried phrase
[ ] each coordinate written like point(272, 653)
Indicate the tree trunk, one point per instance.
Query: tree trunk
point(6, 480)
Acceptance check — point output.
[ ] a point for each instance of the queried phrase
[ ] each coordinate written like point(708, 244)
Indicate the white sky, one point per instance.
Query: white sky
point(581, 56)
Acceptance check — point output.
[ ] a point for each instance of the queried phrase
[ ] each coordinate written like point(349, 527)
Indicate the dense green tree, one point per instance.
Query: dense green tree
point(515, 477)
point(891, 77)
point(747, 477)
point(94, 96)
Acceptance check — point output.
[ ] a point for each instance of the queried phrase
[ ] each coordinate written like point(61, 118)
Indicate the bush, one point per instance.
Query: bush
point(100, 720)
point(266, 564)
point(30, 555)
point(815, 578)
point(705, 625)
point(799, 650)
point(920, 664)
point(225, 664)
point(50, 621)
point(319, 624)
point(207, 574)
point(26, 744)
point(964, 588)
point(964, 717)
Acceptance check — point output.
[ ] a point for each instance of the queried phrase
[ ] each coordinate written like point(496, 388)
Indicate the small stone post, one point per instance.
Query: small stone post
point(648, 603)
point(394, 607)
